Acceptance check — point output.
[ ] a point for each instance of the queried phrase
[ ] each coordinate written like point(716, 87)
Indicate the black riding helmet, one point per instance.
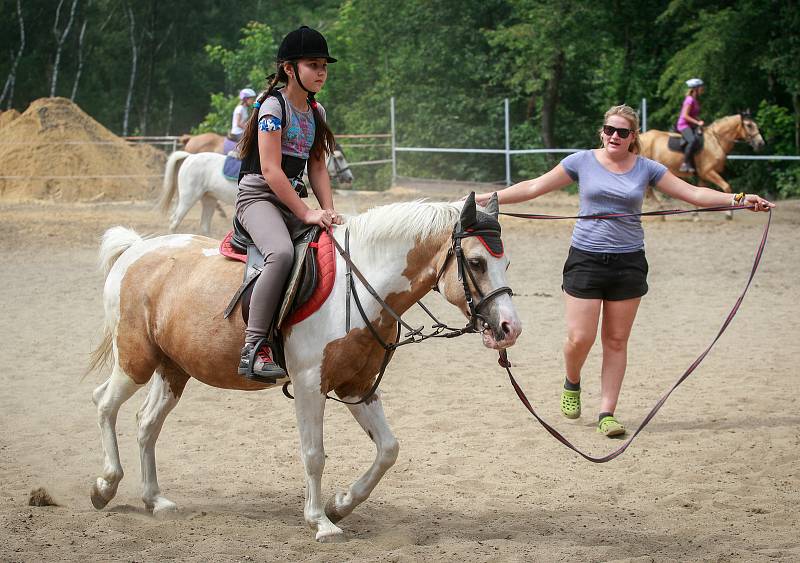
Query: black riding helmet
point(304, 43)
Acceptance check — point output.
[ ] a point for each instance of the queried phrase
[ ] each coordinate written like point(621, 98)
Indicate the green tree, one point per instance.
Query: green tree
point(433, 58)
point(245, 67)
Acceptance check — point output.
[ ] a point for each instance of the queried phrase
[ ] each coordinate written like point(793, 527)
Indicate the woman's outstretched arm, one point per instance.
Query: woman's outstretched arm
point(555, 179)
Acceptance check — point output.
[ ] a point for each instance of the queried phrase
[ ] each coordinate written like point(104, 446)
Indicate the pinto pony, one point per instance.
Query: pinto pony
point(164, 299)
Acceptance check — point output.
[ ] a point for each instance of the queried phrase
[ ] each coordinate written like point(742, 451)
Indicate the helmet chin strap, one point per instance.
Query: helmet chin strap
point(297, 77)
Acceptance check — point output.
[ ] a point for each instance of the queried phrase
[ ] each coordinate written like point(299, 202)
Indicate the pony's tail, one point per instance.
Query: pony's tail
point(171, 179)
point(115, 241)
point(99, 356)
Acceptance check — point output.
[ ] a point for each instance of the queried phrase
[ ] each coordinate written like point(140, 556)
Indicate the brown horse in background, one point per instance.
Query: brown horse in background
point(205, 142)
point(719, 138)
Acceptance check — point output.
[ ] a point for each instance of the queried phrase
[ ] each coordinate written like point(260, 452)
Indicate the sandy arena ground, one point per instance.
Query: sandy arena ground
point(714, 477)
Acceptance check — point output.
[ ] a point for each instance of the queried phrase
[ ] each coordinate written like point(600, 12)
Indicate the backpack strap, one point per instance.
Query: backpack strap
point(251, 164)
point(282, 101)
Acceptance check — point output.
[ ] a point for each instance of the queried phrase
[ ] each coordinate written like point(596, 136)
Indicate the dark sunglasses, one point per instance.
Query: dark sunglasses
point(621, 131)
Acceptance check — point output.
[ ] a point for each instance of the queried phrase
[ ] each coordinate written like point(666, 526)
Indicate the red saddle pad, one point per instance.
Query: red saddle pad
point(326, 274)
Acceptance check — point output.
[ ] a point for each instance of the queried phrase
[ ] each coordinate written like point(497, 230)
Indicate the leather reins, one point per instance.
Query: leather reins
point(477, 321)
point(505, 363)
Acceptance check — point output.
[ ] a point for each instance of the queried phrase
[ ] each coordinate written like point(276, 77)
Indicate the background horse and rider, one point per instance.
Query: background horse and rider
point(199, 177)
point(719, 139)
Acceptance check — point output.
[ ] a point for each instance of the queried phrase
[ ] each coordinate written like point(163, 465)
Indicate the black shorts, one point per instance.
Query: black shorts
point(597, 275)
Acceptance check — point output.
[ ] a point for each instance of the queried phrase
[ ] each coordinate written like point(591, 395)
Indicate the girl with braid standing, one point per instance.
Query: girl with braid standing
point(286, 131)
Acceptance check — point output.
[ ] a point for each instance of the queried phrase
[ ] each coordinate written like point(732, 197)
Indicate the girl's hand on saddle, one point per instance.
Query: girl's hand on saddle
point(321, 217)
point(758, 202)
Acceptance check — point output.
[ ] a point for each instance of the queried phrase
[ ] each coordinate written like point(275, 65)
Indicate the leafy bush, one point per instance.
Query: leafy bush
point(244, 67)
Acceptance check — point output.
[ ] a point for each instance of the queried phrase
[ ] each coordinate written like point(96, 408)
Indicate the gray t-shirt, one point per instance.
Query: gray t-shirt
point(602, 191)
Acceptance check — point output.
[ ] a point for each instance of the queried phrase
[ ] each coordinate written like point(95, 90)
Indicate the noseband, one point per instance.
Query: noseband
point(477, 320)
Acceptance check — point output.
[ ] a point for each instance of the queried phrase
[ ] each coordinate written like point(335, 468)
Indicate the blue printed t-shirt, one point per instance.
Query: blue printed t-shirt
point(602, 191)
point(297, 129)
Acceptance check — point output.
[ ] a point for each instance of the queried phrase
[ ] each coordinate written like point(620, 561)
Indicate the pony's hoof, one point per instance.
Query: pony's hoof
point(163, 508)
point(100, 500)
point(332, 535)
point(332, 511)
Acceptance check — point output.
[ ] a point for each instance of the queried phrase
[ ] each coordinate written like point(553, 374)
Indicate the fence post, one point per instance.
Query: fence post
point(394, 152)
point(644, 115)
point(508, 143)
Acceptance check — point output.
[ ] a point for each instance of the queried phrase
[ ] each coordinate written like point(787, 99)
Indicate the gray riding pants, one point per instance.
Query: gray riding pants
point(692, 141)
point(267, 224)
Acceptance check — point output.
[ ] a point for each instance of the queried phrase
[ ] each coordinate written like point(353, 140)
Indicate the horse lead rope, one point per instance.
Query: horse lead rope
point(623, 215)
point(505, 363)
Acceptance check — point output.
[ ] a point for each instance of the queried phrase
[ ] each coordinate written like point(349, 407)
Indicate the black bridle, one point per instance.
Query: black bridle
point(477, 322)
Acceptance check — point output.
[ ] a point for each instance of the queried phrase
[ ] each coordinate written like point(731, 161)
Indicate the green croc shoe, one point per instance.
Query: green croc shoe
point(571, 403)
point(610, 426)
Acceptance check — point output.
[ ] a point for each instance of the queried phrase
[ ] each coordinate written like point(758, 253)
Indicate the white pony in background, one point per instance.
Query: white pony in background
point(198, 177)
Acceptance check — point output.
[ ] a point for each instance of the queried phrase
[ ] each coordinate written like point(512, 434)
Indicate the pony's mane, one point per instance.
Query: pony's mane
point(722, 122)
point(410, 220)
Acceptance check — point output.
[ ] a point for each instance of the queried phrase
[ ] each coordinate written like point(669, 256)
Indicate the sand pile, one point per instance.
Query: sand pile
point(54, 150)
point(7, 117)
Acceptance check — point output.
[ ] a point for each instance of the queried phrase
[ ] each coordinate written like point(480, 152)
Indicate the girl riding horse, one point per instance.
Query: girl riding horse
point(689, 122)
point(286, 131)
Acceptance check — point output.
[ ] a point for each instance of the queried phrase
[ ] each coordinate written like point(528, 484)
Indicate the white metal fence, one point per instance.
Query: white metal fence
point(506, 151)
point(170, 144)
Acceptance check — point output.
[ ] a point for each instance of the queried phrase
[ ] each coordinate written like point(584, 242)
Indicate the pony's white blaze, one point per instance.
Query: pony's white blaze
point(508, 321)
point(170, 329)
